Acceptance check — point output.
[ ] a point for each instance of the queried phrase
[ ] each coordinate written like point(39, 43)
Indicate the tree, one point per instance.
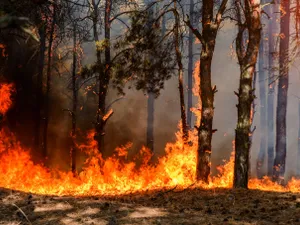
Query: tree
point(48, 83)
point(248, 15)
point(104, 79)
point(21, 23)
point(207, 37)
point(190, 67)
point(151, 97)
point(185, 134)
point(263, 103)
point(272, 63)
point(130, 63)
point(298, 152)
point(283, 84)
point(39, 86)
point(75, 100)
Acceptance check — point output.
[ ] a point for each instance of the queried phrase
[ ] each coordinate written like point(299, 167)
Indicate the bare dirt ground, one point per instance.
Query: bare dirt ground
point(196, 206)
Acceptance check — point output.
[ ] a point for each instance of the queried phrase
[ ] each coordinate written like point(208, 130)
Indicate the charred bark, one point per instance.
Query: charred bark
point(151, 97)
point(298, 153)
point(150, 121)
point(39, 89)
point(185, 134)
point(247, 60)
point(74, 107)
point(104, 72)
point(272, 57)
point(210, 28)
point(283, 83)
point(48, 85)
point(263, 112)
point(190, 68)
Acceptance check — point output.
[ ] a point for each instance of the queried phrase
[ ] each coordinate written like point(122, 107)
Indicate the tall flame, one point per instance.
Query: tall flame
point(5, 97)
point(115, 175)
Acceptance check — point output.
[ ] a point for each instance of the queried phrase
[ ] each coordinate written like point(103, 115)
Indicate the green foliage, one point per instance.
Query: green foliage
point(145, 58)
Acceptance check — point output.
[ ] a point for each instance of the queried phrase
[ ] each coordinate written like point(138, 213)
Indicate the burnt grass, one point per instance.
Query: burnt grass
point(195, 206)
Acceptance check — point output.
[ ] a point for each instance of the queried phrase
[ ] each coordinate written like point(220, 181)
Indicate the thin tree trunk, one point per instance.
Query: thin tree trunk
point(298, 153)
point(190, 68)
point(272, 30)
point(39, 89)
point(151, 101)
point(48, 87)
point(263, 112)
point(74, 108)
point(283, 83)
point(185, 134)
point(104, 79)
point(104, 71)
point(247, 61)
point(150, 121)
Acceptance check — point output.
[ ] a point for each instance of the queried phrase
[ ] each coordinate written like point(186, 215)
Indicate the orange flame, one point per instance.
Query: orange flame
point(196, 92)
point(114, 175)
point(5, 100)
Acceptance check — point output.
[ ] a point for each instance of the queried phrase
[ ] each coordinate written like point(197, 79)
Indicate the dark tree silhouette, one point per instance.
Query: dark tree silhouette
point(283, 84)
point(272, 63)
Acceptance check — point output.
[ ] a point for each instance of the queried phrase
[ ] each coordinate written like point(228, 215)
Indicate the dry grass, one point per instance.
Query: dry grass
point(173, 207)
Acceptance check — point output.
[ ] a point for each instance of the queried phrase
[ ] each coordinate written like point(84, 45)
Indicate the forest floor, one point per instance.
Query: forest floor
point(219, 206)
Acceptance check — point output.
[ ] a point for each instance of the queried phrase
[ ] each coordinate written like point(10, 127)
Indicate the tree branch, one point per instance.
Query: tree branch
point(221, 12)
point(195, 31)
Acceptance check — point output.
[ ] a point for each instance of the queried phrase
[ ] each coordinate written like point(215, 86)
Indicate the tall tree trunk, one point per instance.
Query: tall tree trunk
point(263, 106)
point(39, 89)
point(272, 30)
point(206, 93)
point(298, 153)
point(210, 28)
point(48, 87)
point(104, 71)
point(74, 108)
point(283, 83)
point(247, 61)
point(104, 80)
point(185, 134)
point(98, 134)
point(190, 68)
point(151, 99)
point(150, 121)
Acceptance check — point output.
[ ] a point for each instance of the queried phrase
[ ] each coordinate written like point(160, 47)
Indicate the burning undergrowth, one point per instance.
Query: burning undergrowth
point(114, 175)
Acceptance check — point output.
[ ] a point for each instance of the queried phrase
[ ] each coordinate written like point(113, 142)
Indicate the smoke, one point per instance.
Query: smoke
point(128, 124)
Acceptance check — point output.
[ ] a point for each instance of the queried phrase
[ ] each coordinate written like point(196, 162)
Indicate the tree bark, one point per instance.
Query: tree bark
point(151, 99)
point(272, 57)
point(206, 92)
point(104, 71)
point(48, 87)
point(185, 134)
point(74, 108)
point(247, 61)
point(263, 107)
point(210, 27)
point(190, 68)
point(298, 153)
point(39, 89)
point(283, 83)
point(150, 121)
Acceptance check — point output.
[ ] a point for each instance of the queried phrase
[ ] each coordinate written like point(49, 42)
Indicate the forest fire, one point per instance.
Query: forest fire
point(113, 176)
point(149, 112)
